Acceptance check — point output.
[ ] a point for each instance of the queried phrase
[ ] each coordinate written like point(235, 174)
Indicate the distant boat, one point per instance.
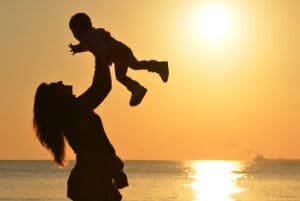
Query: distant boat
point(260, 157)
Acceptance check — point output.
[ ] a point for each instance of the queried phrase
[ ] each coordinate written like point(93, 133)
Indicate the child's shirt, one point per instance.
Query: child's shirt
point(93, 40)
point(103, 45)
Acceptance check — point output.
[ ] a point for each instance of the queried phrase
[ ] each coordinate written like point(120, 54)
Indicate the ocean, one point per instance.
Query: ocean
point(203, 180)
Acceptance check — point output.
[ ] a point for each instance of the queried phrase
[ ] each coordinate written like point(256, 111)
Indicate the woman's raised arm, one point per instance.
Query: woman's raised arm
point(99, 89)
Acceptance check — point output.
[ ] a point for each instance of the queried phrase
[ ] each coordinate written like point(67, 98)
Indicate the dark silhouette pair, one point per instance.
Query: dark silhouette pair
point(60, 116)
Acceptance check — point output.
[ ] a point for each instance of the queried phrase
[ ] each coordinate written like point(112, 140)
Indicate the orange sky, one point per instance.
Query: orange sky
point(227, 98)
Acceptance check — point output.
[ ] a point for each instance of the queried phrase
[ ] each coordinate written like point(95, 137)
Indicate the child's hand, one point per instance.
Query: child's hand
point(76, 48)
point(73, 48)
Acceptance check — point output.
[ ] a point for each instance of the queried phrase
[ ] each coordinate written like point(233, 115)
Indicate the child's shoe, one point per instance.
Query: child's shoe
point(163, 71)
point(137, 95)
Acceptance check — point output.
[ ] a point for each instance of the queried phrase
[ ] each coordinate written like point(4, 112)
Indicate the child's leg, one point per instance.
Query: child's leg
point(120, 71)
point(152, 65)
point(137, 90)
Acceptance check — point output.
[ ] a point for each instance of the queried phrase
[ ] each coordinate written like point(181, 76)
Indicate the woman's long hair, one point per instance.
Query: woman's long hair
point(47, 122)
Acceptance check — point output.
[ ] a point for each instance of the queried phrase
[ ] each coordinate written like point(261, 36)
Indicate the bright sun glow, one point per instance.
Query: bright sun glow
point(215, 180)
point(214, 22)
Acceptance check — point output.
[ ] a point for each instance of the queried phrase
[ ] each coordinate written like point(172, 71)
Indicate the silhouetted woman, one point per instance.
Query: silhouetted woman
point(60, 116)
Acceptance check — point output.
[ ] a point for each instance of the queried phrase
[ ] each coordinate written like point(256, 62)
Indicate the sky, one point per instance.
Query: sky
point(233, 90)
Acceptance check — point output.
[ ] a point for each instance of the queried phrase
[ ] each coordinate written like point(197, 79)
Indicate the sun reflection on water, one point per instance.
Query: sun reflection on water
point(215, 180)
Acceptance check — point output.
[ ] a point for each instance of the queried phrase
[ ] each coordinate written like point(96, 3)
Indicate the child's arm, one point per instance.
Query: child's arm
point(77, 48)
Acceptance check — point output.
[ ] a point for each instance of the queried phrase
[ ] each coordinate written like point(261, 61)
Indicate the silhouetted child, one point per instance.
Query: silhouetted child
point(107, 49)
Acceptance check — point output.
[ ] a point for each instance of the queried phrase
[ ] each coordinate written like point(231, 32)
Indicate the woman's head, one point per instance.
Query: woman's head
point(50, 103)
point(79, 23)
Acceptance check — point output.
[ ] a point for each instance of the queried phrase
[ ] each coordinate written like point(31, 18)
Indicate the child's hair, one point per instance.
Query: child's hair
point(80, 22)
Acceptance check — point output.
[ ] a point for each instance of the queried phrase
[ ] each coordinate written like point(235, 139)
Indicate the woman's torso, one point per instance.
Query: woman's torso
point(85, 133)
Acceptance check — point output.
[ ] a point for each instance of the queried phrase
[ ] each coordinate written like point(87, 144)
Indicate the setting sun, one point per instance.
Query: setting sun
point(214, 21)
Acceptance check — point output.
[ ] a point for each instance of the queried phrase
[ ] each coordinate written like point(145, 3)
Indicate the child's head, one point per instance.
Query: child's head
point(79, 23)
